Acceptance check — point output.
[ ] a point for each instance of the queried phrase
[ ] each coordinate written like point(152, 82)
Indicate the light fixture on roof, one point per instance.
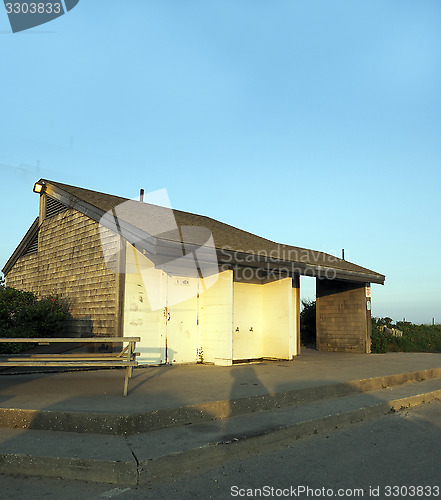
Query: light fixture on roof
point(39, 187)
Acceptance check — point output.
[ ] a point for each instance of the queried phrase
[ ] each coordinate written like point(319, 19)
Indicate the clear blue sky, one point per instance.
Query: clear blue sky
point(315, 124)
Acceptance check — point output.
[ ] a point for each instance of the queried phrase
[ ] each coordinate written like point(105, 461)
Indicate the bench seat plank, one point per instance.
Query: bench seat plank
point(85, 356)
point(79, 340)
point(125, 358)
point(38, 360)
point(68, 363)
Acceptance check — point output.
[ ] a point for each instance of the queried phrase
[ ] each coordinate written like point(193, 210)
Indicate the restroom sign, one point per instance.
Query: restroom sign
point(183, 282)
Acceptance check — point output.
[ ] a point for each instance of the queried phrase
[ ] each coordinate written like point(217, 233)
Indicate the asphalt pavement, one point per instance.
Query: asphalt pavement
point(384, 458)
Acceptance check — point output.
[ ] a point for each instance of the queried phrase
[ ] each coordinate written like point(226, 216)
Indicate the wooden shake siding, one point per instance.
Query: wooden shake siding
point(70, 263)
point(343, 321)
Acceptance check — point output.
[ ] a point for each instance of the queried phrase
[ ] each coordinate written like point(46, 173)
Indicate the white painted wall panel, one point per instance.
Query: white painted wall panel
point(220, 323)
point(139, 318)
point(216, 320)
point(277, 310)
point(295, 319)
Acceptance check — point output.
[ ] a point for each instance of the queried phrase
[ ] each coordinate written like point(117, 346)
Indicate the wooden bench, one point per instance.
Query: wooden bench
point(125, 358)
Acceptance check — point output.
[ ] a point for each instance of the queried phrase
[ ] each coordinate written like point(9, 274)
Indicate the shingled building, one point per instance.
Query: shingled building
point(193, 288)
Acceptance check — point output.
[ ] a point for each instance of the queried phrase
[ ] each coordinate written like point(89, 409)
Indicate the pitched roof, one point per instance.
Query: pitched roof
point(143, 220)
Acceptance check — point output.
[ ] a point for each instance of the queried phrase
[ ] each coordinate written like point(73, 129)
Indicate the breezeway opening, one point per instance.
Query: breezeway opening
point(308, 332)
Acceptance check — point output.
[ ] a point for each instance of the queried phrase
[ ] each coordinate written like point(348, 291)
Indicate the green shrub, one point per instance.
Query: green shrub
point(415, 338)
point(23, 315)
point(308, 322)
point(379, 341)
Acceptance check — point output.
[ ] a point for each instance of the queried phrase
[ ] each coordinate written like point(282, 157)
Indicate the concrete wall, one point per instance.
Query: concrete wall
point(70, 263)
point(343, 321)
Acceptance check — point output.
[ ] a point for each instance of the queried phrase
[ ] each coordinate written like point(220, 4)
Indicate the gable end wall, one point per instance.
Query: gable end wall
point(70, 263)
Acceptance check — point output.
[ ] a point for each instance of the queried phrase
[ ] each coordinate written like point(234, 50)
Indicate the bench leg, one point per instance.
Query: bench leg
point(129, 369)
point(126, 380)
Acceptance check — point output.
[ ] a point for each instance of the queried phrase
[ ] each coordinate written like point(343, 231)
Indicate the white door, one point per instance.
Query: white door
point(181, 325)
point(142, 317)
point(247, 312)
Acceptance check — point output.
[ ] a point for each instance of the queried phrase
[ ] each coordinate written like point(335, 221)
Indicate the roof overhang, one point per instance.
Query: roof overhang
point(292, 268)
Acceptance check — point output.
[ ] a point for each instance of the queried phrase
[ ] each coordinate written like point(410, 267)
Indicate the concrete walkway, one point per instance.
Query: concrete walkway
point(165, 387)
point(183, 418)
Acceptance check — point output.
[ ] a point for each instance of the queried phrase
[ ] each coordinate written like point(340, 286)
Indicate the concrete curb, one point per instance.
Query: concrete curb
point(220, 453)
point(71, 468)
point(136, 472)
point(131, 423)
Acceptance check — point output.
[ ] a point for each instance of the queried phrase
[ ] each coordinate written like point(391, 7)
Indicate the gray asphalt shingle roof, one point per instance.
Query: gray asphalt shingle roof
point(157, 221)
